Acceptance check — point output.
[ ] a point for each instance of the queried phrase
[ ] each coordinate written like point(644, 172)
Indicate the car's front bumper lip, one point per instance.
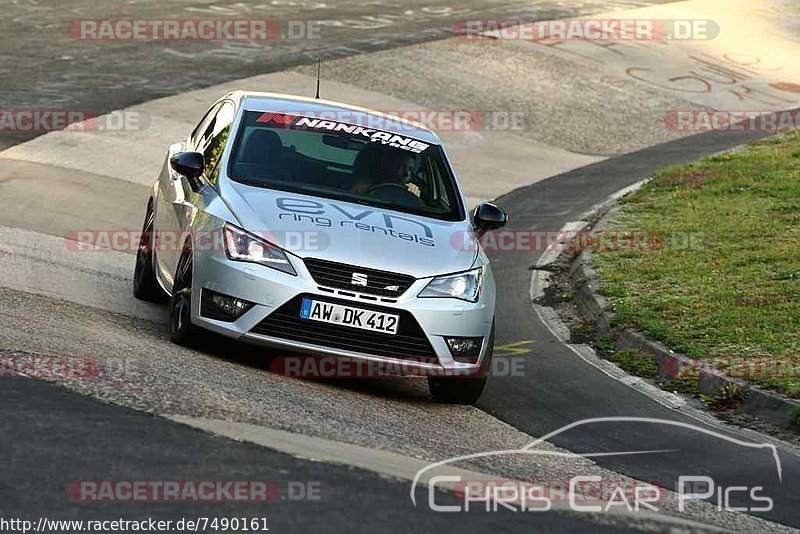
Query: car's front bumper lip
point(386, 363)
point(270, 289)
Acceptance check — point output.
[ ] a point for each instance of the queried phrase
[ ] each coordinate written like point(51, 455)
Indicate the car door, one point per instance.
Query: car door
point(175, 208)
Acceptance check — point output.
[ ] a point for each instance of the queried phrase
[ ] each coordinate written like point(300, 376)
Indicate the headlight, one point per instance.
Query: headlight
point(464, 286)
point(243, 246)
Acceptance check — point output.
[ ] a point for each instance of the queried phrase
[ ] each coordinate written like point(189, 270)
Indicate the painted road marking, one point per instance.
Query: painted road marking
point(517, 348)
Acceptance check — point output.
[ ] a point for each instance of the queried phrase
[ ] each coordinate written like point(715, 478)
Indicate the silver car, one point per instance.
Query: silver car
point(325, 230)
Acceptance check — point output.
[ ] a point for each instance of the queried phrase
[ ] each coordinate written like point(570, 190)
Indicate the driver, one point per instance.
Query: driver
point(394, 168)
point(400, 170)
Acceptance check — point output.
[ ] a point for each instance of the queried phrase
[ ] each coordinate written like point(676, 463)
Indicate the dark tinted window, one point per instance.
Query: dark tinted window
point(342, 161)
point(202, 127)
point(215, 138)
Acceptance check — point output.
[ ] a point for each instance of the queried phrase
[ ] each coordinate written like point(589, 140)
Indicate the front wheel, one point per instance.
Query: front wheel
point(463, 390)
point(181, 329)
point(145, 285)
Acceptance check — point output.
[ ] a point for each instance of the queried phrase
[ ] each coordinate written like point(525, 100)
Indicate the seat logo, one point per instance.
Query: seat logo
point(359, 279)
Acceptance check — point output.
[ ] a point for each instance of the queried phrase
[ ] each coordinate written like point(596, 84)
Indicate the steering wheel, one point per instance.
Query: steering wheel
point(395, 192)
point(387, 186)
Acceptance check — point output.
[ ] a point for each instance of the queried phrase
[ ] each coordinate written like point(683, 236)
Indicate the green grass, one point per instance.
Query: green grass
point(725, 280)
point(636, 362)
point(794, 416)
point(728, 397)
point(687, 386)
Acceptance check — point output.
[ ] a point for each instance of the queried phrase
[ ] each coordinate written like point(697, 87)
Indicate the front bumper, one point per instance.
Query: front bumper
point(274, 293)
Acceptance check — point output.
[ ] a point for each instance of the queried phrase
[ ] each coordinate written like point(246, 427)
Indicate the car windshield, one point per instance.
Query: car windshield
point(346, 162)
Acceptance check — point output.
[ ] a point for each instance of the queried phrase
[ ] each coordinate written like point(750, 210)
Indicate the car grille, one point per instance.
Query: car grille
point(340, 275)
point(409, 343)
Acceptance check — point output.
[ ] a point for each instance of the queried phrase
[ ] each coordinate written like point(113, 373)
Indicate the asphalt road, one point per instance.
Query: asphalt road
point(54, 436)
point(559, 388)
point(61, 438)
point(51, 436)
point(42, 66)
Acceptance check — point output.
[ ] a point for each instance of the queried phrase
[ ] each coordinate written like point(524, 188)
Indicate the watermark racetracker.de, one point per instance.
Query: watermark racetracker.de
point(220, 29)
point(71, 120)
point(408, 120)
point(749, 367)
point(597, 240)
point(589, 29)
point(404, 366)
point(48, 366)
point(732, 120)
point(134, 240)
point(193, 491)
point(118, 372)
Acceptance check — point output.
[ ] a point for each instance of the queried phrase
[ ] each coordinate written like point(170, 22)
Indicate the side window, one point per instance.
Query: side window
point(436, 176)
point(202, 127)
point(217, 137)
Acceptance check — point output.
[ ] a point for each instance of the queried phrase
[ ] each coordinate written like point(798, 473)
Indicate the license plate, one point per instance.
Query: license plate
point(325, 312)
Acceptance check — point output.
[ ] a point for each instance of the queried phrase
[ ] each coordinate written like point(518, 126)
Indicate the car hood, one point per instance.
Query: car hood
point(345, 232)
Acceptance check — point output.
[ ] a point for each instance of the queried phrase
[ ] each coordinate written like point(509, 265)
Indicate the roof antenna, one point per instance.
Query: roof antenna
point(319, 71)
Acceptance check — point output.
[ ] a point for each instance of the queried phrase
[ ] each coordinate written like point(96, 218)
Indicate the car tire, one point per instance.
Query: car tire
point(463, 390)
point(145, 285)
point(181, 329)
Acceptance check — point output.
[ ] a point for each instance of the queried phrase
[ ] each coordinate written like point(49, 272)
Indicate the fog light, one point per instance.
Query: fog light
point(465, 349)
point(222, 307)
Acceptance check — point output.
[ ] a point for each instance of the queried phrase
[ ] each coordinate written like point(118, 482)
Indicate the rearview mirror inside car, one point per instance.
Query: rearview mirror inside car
point(344, 143)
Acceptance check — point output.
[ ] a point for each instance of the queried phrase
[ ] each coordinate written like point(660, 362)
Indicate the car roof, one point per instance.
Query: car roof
point(368, 118)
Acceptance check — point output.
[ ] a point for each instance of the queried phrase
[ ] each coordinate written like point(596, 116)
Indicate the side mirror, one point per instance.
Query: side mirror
point(188, 164)
point(487, 216)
